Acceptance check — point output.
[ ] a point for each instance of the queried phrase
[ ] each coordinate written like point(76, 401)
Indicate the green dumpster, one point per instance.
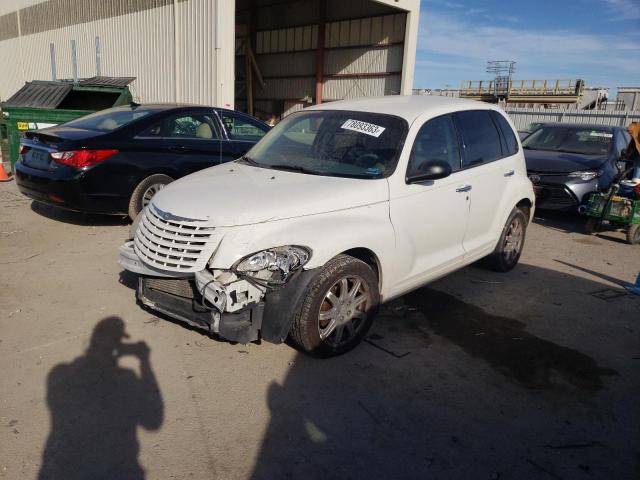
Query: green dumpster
point(41, 104)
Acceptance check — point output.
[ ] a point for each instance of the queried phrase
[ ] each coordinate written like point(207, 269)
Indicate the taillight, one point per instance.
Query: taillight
point(82, 158)
point(24, 149)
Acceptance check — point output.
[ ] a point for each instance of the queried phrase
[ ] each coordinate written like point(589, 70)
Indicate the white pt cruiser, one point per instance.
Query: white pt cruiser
point(339, 208)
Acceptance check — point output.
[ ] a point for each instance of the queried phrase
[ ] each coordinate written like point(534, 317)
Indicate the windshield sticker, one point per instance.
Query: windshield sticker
point(601, 134)
point(363, 127)
point(373, 171)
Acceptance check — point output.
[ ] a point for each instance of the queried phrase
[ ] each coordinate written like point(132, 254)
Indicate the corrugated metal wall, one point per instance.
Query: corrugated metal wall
point(524, 116)
point(363, 57)
point(170, 46)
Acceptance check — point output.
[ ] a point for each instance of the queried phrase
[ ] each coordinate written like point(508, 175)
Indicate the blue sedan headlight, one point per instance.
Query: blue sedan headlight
point(586, 175)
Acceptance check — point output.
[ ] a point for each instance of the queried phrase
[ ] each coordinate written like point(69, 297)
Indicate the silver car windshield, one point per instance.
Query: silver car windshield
point(334, 143)
point(570, 139)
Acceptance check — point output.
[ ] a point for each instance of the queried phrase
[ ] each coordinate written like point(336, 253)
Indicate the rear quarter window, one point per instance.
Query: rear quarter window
point(509, 137)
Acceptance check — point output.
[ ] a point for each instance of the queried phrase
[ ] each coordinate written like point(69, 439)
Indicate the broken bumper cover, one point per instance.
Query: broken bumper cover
point(268, 317)
point(179, 299)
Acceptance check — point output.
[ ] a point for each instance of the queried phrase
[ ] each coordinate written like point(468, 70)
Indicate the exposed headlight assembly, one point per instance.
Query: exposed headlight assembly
point(586, 175)
point(274, 265)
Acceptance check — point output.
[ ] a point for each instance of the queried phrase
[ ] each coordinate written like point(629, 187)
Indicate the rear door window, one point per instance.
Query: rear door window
point(436, 141)
point(510, 142)
point(196, 126)
point(480, 138)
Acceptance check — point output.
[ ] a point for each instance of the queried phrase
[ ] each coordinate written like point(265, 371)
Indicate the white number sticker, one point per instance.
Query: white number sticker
point(363, 127)
point(601, 134)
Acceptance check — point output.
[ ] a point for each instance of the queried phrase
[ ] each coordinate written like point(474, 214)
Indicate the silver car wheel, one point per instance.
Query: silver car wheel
point(343, 311)
point(150, 192)
point(513, 240)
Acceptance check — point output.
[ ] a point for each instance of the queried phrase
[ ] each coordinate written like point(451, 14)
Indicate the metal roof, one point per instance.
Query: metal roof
point(39, 95)
point(117, 82)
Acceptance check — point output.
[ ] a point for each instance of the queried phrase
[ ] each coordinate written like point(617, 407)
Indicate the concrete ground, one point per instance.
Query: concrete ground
point(531, 374)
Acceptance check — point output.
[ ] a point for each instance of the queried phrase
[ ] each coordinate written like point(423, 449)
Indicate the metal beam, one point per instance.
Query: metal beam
point(320, 51)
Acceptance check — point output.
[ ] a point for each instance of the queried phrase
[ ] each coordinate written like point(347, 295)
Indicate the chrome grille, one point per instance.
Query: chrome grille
point(178, 245)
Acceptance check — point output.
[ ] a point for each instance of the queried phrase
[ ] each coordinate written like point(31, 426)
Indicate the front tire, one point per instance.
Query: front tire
point(507, 253)
point(145, 190)
point(338, 308)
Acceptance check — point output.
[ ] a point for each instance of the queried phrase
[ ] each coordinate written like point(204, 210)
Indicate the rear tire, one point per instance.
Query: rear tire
point(338, 309)
point(507, 253)
point(633, 234)
point(145, 190)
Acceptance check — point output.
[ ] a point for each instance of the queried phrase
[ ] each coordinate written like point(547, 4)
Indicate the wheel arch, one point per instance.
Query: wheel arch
point(526, 206)
point(370, 258)
point(142, 176)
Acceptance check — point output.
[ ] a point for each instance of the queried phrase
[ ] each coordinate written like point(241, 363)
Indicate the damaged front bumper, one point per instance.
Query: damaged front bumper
point(219, 302)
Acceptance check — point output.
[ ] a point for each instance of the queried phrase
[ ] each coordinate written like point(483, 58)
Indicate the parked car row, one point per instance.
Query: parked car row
point(302, 234)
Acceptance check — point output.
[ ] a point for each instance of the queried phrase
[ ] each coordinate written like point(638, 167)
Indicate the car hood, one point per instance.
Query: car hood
point(234, 194)
point(558, 162)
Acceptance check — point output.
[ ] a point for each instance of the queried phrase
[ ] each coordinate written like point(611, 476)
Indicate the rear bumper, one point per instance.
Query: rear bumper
point(64, 188)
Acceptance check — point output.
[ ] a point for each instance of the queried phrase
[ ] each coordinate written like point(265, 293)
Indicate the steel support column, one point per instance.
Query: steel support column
point(320, 51)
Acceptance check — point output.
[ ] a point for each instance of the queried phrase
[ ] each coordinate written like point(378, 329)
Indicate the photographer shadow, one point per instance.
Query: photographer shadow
point(97, 405)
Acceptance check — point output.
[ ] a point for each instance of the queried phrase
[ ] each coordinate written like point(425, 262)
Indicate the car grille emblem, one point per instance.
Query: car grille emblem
point(535, 179)
point(169, 217)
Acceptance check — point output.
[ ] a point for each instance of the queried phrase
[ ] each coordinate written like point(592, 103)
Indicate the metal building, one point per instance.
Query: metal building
point(263, 56)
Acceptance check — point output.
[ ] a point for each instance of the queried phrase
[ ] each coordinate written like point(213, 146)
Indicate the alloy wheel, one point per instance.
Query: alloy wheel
point(150, 192)
point(343, 310)
point(513, 240)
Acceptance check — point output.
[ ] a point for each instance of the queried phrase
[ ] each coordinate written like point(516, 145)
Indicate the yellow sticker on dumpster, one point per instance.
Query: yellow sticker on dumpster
point(23, 125)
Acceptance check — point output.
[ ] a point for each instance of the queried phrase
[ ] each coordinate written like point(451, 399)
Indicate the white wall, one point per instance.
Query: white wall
point(171, 50)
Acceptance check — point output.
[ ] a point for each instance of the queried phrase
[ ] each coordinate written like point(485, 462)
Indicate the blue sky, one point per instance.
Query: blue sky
point(596, 40)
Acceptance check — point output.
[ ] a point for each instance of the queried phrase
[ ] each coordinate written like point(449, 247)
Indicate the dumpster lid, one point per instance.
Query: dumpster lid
point(50, 94)
point(116, 82)
point(39, 95)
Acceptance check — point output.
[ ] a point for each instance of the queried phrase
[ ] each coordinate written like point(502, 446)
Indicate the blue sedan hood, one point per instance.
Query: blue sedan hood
point(559, 162)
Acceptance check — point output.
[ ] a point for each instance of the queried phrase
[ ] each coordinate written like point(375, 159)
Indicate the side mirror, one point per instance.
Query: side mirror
point(431, 171)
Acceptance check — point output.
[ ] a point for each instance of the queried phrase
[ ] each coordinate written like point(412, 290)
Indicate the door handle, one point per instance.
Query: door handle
point(510, 173)
point(463, 188)
point(177, 148)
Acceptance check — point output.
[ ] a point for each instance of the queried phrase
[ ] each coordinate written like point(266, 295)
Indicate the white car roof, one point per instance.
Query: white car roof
point(408, 107)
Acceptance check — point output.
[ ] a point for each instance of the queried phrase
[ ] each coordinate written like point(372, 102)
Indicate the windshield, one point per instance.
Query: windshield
point(334, 143)
point(571, 139)
point(110, 119)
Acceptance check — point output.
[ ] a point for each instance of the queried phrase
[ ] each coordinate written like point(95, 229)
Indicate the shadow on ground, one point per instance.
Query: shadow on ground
point(77, 218)
point(565, 222)
point(96, 407)
point(443, 389)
